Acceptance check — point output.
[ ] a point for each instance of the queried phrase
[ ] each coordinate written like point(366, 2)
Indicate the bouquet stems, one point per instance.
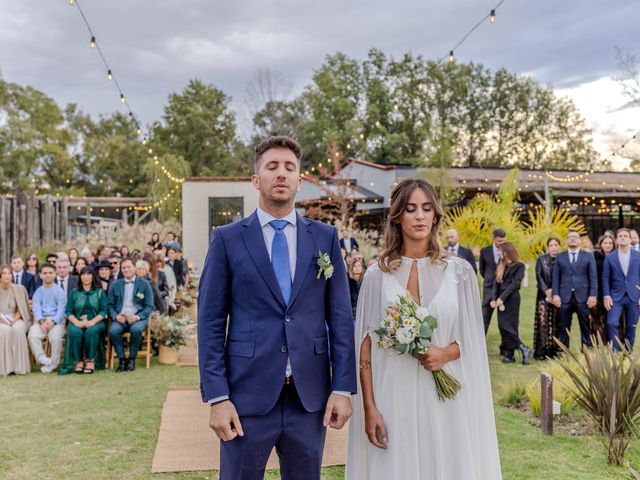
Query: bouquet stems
point(446, 386)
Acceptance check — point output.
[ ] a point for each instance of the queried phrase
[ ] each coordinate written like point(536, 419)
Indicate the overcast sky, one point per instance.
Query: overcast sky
point(156, 46)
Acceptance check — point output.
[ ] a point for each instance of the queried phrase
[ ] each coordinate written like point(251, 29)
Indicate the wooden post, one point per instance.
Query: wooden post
point(546, 403)
point(64, 219)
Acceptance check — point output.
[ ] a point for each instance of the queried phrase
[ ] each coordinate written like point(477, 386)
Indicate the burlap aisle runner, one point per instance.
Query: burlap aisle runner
point(186, 443)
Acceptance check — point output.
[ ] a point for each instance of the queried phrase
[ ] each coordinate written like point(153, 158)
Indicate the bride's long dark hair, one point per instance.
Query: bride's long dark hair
point(390, 259)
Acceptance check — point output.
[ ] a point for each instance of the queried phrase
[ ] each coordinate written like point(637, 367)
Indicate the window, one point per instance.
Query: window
point(225, 210)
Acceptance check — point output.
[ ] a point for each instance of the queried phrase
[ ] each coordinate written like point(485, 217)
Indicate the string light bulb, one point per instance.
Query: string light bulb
point(93, 42)
point(452, 58)
point(492, 16)
point(122, 97)
point(72, 2)
point(109, 75)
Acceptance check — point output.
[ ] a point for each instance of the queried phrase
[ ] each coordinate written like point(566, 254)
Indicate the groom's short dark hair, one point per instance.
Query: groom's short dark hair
point(276, 141)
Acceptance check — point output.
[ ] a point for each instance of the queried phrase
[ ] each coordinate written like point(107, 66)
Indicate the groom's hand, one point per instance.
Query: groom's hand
point(224, 420)
point(338, 411)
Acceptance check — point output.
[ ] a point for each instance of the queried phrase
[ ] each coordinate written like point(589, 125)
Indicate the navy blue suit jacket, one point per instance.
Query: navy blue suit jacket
point(246, 332)
point(615, 283)
point(142, 297)
point(580, 279)
point(28, 281)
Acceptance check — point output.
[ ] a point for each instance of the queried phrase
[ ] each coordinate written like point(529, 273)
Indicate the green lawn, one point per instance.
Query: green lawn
point(105, 426)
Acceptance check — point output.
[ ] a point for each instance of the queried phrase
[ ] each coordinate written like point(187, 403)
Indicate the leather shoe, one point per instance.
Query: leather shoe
point(131, 365)
point(122, 365)
point(506, 359)
point(527, 354)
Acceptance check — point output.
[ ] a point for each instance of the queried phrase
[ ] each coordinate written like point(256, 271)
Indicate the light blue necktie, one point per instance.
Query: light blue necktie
point(280, 258)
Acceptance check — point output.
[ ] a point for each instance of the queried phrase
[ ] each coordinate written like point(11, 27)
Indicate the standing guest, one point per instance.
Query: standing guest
point(73, 257)
point(457, 250)
point(15, 320)
point(33, 265)
point(635, 240)
point(80, 264)
point(586, 244)
point(356, 274)
point(21, 276)
point(546, 321)
point(104, 275)
point(171, 278)
point(348, 242)
point(606, 245)
point(86, 313)
point(620, 281)
point(575, 288)
point(171, 241)
point(130, 303)
point(489, 258)
point(154, 243)
point(143, 271)
point(176, 265)
point(64, 278)
point(506, 298)
point(124, 251)
point(49, 303)
point(52, 258)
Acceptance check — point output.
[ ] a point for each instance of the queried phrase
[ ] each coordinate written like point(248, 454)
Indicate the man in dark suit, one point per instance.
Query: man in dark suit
point(347, 242)
point(22, 277)
point(489, 258)
point(454, 248)
point(621, 288)
point(130, 304)
point(574, 284)
point(66, 281)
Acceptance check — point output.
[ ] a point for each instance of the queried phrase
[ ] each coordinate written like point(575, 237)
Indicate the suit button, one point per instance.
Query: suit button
point(287, 318)
point(283, 349)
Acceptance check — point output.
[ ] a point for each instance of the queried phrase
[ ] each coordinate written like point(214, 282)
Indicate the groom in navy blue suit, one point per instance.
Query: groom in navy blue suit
point(267, 314)
point(621, 288)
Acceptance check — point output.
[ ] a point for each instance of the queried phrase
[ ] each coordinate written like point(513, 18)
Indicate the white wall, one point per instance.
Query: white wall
point(195, 212)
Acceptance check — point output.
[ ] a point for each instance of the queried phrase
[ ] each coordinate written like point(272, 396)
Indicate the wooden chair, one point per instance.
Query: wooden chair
point(145, 347)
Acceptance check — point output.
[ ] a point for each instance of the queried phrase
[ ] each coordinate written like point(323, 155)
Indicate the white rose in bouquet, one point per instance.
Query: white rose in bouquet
point(405, 335)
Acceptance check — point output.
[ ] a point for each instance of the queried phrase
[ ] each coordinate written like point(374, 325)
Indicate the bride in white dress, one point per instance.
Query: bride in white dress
point(399, 428)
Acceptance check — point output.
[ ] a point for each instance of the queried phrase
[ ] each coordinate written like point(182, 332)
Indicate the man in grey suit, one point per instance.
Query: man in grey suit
point(454, 248)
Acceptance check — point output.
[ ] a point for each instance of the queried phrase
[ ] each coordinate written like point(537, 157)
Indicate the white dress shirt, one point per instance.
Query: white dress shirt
point(573, 259)
point(64, 283)
point(127, 303)
point(453, 249)
point(625, 258)
point(496, 254)
point(17, 277)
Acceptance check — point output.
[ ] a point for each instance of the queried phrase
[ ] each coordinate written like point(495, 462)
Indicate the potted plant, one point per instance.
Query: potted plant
point(171, 333)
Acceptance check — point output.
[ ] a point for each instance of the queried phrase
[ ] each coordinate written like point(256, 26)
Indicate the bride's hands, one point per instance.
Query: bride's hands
point(437, 357)
point(374, 427)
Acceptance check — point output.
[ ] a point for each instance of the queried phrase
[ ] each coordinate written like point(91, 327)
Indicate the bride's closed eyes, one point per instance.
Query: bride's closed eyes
point(412, 207)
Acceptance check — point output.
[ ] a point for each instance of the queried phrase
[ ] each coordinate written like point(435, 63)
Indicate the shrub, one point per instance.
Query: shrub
point(513, 394)
point(172, 332)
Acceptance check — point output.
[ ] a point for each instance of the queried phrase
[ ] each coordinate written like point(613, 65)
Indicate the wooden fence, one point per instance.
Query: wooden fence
point(28, 221)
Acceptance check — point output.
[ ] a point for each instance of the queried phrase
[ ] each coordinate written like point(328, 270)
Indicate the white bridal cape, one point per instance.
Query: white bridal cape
point(427, 439)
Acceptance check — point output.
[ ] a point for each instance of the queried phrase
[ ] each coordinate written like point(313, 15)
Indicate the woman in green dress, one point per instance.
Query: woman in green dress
point(86, 328)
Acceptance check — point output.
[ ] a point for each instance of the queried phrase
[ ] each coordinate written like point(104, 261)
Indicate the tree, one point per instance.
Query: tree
point(198, 126)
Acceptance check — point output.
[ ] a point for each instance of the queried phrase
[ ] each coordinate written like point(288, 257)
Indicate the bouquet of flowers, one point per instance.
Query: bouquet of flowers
point(407, 329)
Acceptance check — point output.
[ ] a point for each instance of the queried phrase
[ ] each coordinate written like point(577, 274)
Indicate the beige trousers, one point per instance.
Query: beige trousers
point(56, 335)
point(14, 352)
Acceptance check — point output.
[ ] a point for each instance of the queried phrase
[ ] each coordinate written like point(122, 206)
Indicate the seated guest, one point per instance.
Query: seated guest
point(171, 278)
point(114, 261)
point(33, 266)
point(73, 255)
point(124, 251)
point(454, 248)
point(64, 278)
point(80, 264)
point(620, 281)
point(52, 258)
point(104, 275)
point(86, 328)
point(176, 265)
point(348, 242)
point(142, 271)
point(356, 274)
point(49, 304)
point(22, 277)
point(157, 275)
point(155, 241)
point(14, 323)
point(130, 303)
point(171, 241)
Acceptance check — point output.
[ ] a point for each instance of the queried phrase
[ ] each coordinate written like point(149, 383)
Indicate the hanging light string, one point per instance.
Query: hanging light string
point(94, 44)
point(607, 161)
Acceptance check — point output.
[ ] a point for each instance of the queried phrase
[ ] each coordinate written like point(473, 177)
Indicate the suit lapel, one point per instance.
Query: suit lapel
point(305, 252)
point(615, 259)
point(254, 241)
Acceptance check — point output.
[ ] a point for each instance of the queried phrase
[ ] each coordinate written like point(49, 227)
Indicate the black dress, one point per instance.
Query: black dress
point(354, 290)
point(508, 319)
point(546, 322)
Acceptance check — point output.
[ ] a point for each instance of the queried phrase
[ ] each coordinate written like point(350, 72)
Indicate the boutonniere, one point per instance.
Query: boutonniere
point(140, 295)
point(324, 266)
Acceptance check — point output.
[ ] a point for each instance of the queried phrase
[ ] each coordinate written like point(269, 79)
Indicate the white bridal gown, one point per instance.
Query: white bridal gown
point(427, 439)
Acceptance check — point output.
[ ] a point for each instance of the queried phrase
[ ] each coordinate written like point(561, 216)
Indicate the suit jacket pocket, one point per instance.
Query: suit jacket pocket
point(241, 348)
point(320, 344)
